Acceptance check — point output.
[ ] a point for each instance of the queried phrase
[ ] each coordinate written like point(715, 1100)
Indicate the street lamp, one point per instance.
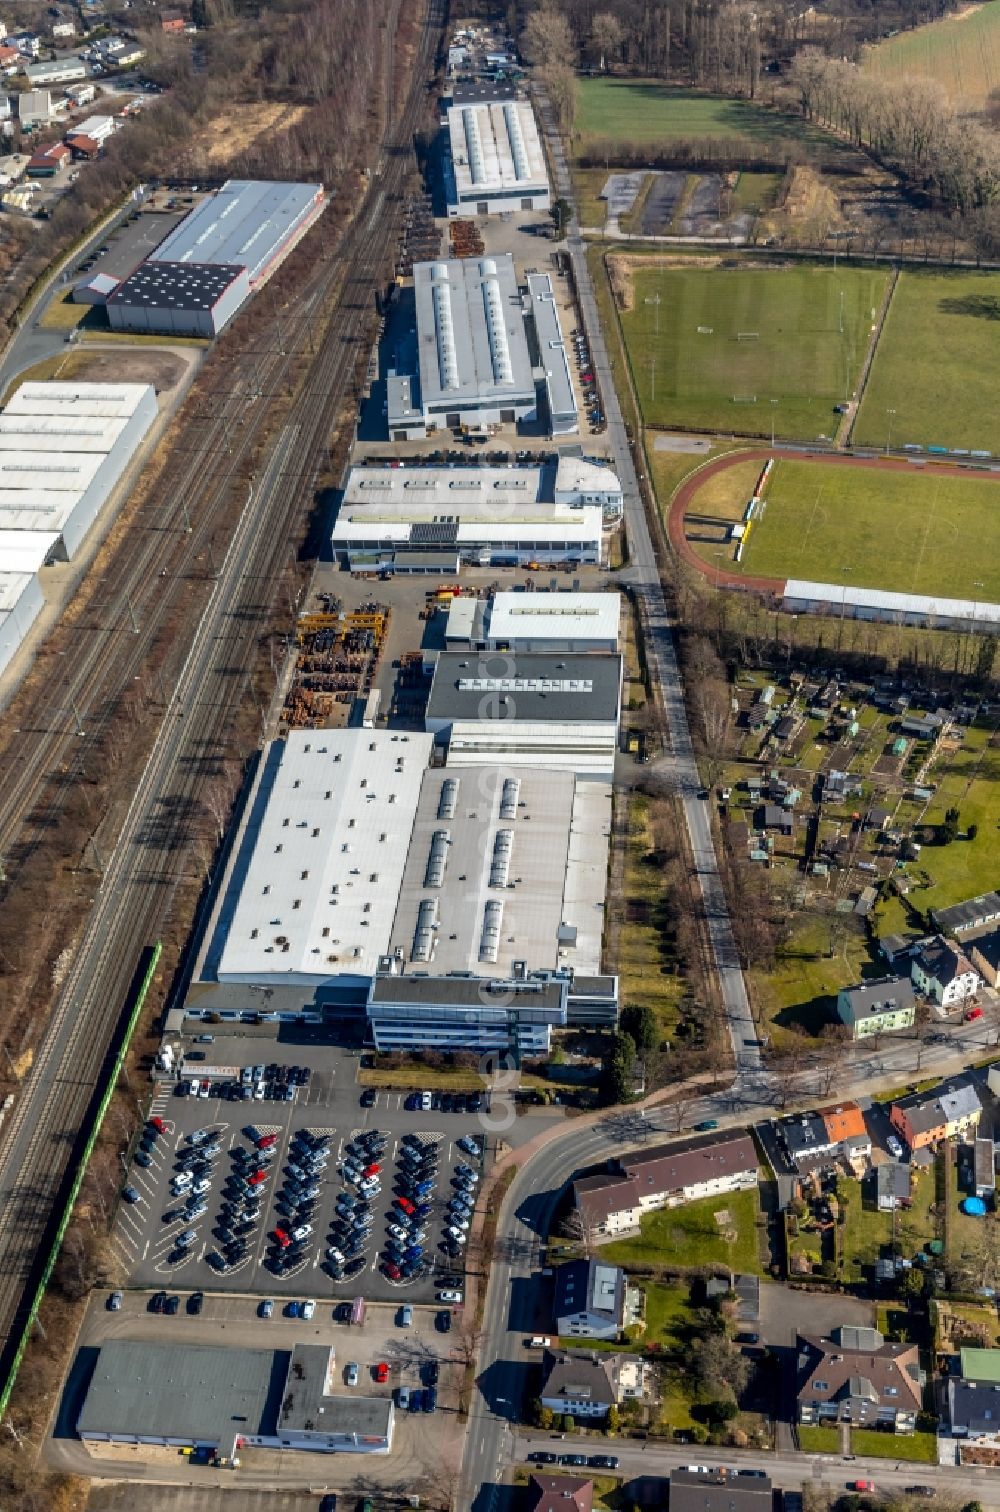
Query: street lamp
point(890, 414)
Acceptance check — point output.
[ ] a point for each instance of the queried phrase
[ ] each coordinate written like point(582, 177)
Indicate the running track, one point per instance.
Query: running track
point(688, 491)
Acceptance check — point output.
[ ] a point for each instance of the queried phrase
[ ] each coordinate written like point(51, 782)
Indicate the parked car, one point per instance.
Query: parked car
point(115, 1301)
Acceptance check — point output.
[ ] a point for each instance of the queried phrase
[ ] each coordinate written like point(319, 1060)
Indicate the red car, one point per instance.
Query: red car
point(373, 1169)
point(158, 1125)
point(406, 1206)
point(392, 1271)
point(381, 1372)
point(257, 1178)
point(282, 1238)
point(862, 1485)
point(973, 1014)
point(266, 1141)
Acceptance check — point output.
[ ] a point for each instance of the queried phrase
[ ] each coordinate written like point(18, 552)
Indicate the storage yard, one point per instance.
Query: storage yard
point(335, 664)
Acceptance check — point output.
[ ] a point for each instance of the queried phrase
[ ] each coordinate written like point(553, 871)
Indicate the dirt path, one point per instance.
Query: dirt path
point(688, 491)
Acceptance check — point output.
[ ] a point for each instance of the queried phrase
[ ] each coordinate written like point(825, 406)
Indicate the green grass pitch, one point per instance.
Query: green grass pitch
point(642, 110)
point(792, 373)
point(917, 531)
point(936, 365)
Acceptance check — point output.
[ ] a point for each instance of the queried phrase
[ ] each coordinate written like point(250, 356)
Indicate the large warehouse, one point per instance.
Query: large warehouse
point(63, 448)
point(217, 1398)
point(560, 396)
point(208, 266)
point(502, 516)
point(474, 367)
point(496, 159)
point(533, 710)
point(21, 603)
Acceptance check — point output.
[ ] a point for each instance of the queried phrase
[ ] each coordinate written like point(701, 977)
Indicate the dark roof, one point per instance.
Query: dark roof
point(470, 991)
point(887, 995)
point(719, 1491)
point(942, 962)
point(805, 1134)
point(575, 1375)
point(183, 1391)
point(308, 1406)
point(176, 286)
point(942, 1105)
point(874, 1374)
point(560, 1493)
point(893, 1180)
point(545, 687)
point(599, 1196)
point(668, 1168)
point(590, 1286)
point(972, 914)
point(974, 1407)
point(989, 948)
point(479, 94)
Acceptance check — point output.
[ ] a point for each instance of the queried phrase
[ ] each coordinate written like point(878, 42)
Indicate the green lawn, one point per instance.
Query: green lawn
point(689, 1236)
point(867, 1233)
point(802, 989)
point(936, 365)
point(646, 968)
point(816, 1440)
point(742, 349)
point(910, 532)
point(962, 53)
point(867, 1442)
point(642, 110)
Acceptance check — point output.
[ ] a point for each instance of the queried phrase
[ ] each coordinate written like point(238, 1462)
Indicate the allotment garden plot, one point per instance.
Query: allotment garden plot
point(748, 349)
point(902, 528)
point(933, 381)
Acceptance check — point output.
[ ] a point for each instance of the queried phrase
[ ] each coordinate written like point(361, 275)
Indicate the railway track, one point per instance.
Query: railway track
point(149, 860)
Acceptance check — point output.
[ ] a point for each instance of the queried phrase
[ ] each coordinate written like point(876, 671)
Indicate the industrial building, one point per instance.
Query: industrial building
point(21, 602)
point(560, 396)
point(208, 266)
point(63, 448)
point(503, 868)
point(473, 367)
point(500, 516)
point(496, 163)
point(544, 710)
point(60, 71)
point(464, 1013)
point(803, 597)
point(221, 1399)
point(537, 621)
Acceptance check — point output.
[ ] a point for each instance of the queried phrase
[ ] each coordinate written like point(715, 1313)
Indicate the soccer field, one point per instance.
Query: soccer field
point(644, 110)
point(746, 349)
point(936, 365)
point(917, 531)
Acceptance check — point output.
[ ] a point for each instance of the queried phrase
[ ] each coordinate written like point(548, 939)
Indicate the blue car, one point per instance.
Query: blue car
point(416, 1401)
point(430, 1399)
point(413, 1253)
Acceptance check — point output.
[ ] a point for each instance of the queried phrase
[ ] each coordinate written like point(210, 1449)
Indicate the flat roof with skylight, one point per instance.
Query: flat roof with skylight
point(496, 154)
point(472, 345)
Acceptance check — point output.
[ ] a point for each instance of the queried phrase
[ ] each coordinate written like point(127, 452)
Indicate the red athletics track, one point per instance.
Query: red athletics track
point(689, 489)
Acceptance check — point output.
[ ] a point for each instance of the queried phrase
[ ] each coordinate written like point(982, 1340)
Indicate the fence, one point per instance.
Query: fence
point(74, 1192)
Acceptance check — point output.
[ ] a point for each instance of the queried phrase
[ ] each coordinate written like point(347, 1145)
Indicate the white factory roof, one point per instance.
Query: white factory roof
point(97, 127)
point(577, 475)
point(551, 347)
point(75, 433)
point(471, 341)
point(25, 550)
point(107, 400)
point(898, 603)
point(320, 863)
point(495, 146)
point(245, 225)
point(12, 587)
point(563, 616)
point(504, 866)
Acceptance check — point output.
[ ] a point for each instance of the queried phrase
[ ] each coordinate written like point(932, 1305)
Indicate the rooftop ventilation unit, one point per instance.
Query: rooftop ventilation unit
point(437, 859)
point(448, 798)
point(500, 865)
point(503, 371)
point(443, 327)
point(517, 147)
point(423, 934)
point(509, 796)
point(474, 144)
point(489, 944)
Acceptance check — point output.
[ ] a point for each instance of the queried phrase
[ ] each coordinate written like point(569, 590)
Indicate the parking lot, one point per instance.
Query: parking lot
point(132, 241)
point(299, 1191)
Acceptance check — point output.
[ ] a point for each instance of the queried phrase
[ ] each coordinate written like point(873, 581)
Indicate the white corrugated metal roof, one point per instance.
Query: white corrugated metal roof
point(495, 146)
point(902, 603)
point(12, 587)
point(25, 550)
point(110, 400)
point(334, 812)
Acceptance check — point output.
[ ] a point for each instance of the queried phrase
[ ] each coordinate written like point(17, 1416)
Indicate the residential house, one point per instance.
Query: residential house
point(839, 785)
point(559, 1493)
point(974, 1398)
point(29, 44)
point(984, 955)
point(925, 1118)
point(944, 973)
point(722, 1490)
point(172, 21)
point(705, 1166)
point(893, 1184)
point(587, 1385)
point(589, 1300)
point(807, 1141)
point(855, 1377)
point(877, 1007)
point(877, 817)
point(846, 1128)
point(608, 1206)
point(772, 816)
point(921, 726)
point(81, 94)
point(11, 61)
point(63, 29)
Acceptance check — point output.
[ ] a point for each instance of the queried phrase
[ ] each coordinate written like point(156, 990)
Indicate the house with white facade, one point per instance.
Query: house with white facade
point(944, 973)
point(612, 1202)
point(588, 1385)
